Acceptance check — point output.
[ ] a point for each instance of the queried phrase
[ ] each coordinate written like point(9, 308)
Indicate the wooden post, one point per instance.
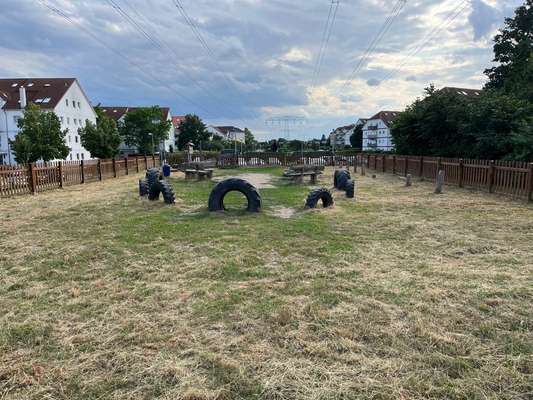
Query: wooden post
point(421, 173)
point(408, 180)
point(440, 182)
point(60, 168)
point(32, 175)
point(82, 171)
point(461, 172)
point(145, 162)
point(363, 169)
point(99, 168)
point(368, 160)
point(137, 163)
point(126, 165)
point(153, 161)
point(492, 171)
point(439, 164)
point(384, 159)
point(530, 184)
point(393, 165)
point(406, 171)
point(114, 168)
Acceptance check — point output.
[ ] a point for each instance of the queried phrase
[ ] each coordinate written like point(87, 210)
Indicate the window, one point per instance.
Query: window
point(76, 138)
point(79, 105)
point(78, 156)
point(70, 156)
point(75, 121)
point(62, 119)
point(82, 156)
point(66, 102)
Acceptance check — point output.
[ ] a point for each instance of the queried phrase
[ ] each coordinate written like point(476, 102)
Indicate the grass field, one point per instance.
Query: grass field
point(402, 294)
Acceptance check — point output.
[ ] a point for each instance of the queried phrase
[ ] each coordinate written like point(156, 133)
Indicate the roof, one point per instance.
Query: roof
point(45, 92)
point(345, 128)
point(227, 129)
point(462, 91)
point(386, 116)
point(177, 120)
point(117, 113)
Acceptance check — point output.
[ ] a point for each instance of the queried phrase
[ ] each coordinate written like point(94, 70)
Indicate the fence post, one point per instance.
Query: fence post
point(114, 168)
point(82, 171)
point(530, 184)
point(406, 165)
point(153, 161)
point(384, 163)
point(137, 163)
point(491, 176)
point(439, 164)
point(461, 172)
point(60, 167)
point(393, 165)
point(145, 162)
point(421, 173)
point(99, 168)
point(126, 165)
point(33, 178)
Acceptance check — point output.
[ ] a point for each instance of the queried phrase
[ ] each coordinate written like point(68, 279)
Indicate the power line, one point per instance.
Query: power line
point(452, 16)
point(326, 36)
point(65, 16)
point(377, 39)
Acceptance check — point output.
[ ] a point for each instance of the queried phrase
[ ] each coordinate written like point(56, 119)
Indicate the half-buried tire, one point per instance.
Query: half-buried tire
point(143, 187)
point(350, 189)
point(341, 178)
point(153, 175)
point(319, 194)
point(162, 188)
point(216, 198)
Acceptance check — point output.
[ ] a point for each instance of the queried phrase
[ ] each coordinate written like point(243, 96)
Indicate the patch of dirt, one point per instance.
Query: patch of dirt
point(283, 212)
point(260, 181)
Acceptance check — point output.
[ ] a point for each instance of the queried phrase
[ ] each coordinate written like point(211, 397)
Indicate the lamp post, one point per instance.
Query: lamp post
point(153, 146)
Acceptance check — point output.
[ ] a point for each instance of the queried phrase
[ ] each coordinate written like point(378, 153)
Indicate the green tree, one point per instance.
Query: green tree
point(192, 129)
point(249, 139)
point(40, 137)
point(144, 126)
point(513, 51)
point(102, 139)
point(356, 138)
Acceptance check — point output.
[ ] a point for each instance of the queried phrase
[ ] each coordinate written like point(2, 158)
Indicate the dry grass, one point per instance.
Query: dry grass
point(401, 295)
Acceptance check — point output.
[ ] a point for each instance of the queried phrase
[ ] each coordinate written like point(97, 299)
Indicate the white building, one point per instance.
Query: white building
point(229, 133)
point(119, 113)
point(340, 137)
point(63, 96)
point(377, 132)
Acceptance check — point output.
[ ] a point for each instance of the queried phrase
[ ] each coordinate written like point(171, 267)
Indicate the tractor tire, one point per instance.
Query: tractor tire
point(143, 187)
point(350, 189)
point(319, 194)
point(216, 198)
point(153, 175)
point(168, 192)
point(342, 176)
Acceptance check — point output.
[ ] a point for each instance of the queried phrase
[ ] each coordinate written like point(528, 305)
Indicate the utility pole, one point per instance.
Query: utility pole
point(286, 122)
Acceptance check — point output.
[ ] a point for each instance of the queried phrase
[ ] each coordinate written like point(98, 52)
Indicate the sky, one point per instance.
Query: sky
point(246, 62)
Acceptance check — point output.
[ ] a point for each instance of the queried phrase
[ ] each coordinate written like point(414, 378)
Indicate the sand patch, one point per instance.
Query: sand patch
point(259, 180)
point(283, 212)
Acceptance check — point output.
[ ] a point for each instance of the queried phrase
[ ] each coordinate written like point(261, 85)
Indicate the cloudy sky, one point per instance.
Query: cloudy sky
point(247, 61)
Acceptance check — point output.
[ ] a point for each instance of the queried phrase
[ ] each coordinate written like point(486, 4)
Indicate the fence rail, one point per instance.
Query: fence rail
point(511, 178)
point(41, 177)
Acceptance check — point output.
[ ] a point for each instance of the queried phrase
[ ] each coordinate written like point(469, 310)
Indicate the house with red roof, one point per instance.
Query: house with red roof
point(377, 131)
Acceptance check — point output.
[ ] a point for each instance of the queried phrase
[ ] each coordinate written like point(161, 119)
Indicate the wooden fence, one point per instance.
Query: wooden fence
point(512, 178)
point(40, 177)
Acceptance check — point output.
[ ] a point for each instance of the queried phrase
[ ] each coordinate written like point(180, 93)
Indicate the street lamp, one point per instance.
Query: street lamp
point(153, 146)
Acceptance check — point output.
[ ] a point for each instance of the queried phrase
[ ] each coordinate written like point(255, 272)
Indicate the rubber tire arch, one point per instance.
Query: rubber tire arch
point(319, 194)
point(350, 189)
point(143, 187)
point(164, 188)
point(340, 179)
point(221, 189)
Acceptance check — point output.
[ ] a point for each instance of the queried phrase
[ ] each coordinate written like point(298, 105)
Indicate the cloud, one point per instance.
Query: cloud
point(260, 57)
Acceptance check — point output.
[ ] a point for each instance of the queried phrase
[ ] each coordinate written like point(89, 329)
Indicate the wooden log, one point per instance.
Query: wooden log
point(439, 188)
point(363, 169)
point(60, 167)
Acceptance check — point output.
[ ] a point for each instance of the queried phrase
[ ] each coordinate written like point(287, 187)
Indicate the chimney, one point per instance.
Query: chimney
point(23, 100)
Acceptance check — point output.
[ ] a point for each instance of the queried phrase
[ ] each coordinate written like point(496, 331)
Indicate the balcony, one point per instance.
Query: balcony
point(371, 136)
point(372, 127)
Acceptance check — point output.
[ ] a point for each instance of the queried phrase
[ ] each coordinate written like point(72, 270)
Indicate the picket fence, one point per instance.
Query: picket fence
point(40, 177)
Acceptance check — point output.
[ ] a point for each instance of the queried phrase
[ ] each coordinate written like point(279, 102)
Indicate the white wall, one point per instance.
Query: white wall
point(383, 139)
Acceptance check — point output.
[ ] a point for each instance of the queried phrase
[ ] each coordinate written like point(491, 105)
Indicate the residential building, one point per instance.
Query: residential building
point(471, 93)
point(340, 137)
point(176, 122)
point(377, 131)
point(63, 96)
point(230, 133)
point(118, 113)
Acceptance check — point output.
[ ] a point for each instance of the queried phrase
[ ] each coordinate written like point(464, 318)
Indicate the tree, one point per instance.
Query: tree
point(513, 51)
point(143, 127)
point(192, 129)
point(249, 139)
point(102, 139)
point(40, 137)
point(356, 138)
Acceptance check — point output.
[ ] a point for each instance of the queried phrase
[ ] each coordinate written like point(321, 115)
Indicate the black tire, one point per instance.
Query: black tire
point(143, 187)
point(153, 175)
point(341, 179)
point(319, 194)
point(216, 198)
point(350, 189)
point(168, 192)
